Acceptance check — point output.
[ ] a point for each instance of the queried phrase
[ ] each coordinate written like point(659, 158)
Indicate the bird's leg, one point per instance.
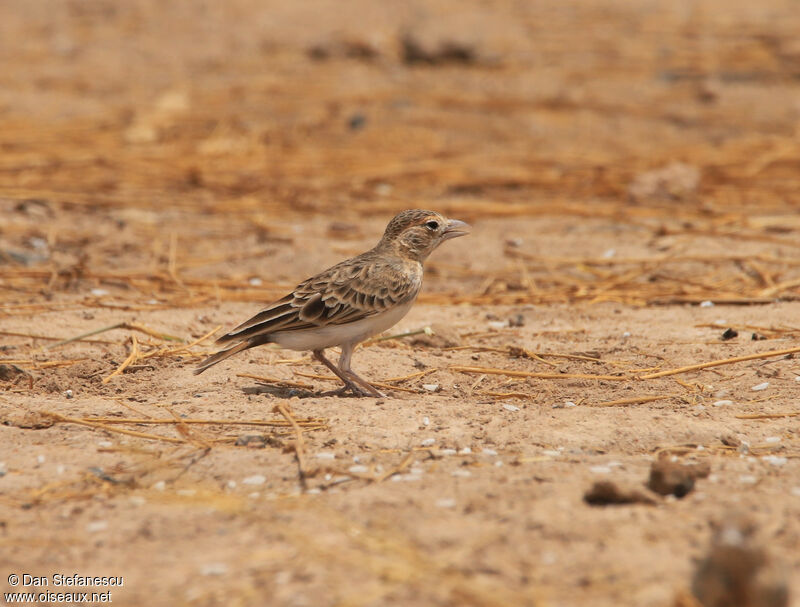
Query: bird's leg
point(344, 367)
point(349, 384)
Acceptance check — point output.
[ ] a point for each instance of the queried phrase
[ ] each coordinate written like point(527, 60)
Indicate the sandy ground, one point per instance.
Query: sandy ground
point(630, 170)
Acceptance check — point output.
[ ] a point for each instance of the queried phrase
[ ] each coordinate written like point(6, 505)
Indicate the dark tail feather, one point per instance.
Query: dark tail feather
point(228, 352)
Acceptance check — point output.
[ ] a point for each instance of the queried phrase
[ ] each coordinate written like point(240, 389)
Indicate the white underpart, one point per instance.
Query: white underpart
point(337, 335)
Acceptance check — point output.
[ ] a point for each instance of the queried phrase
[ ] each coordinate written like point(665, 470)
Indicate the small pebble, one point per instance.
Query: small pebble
point(797, 378)
point(707, 304)
point(186, 492)
point(447, 451)
point(255, 282)
point(214, 569)
point(773, 439)
point(431, 387)
point(358, 469)
point(600, 469)
point(426, 421)
point(96, 526)
point(759, 387)
point(465, 451)
point(231, 484)
point(498, 324)
point(569, 403)
point(551, 453)
point(486, 451)
point(626, 335)
point(159, 486)
point(609, 253)
point(509, 407)
point(428, 442)
point(256, 479)
point(462, 473)
point(748, 479)
point(99, 292)
point(723, 403)
point(105, 444)
point(775, 460)
point(498, 463)
point(137, 500)
point(325, 455)
point(446, 503)
point(40, 459)
point(68, 394)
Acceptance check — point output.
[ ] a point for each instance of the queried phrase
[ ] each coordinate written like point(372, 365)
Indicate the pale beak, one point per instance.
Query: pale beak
point(455, 228)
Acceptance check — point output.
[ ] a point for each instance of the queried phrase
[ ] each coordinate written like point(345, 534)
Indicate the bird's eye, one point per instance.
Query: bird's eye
point(432, 225)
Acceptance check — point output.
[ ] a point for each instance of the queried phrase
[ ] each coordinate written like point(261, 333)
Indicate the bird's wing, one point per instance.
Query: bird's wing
point(347, 292)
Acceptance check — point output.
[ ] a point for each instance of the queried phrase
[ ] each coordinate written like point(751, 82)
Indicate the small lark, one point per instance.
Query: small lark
point(353, 300)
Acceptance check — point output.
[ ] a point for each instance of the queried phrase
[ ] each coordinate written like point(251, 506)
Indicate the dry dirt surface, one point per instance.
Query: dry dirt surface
point(631, 172)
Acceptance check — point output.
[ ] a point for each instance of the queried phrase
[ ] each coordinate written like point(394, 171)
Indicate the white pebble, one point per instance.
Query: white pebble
point(569, 403)
point(159, 486)
point(446, 503)
point(186, 492)
point(509, 407)
point(614, 464)
point(430, 387)
point(748, 479)
point(626, 335)
point(600, 469)
point(428, 442)
point(137, 500)
point(426, 421)
point(3, 469)
point(68, 394)
point(462, 473)
point(256, 479)
point(40, 459)
point(773, 439)
point(551, 453)
point(797, 378)
point(60, 469)
point(498, 324)
point(486, 451)
point(328, 476)
point(759, 387)
point(498, 463)
point(707, 304)
point(358, 469)
point(99, 292)
point(325, 455)
point(105, 444)
point(609, 253)
point(231, 484)
point(723, 403)
point(255, 494)
point(96, 526)
point(775, 460)
point(447, 451)
point(214, 569)
point(255, 282)
point(465, 451)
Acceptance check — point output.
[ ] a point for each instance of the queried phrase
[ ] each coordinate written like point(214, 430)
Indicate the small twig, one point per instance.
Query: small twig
point(511, 373)
point(127, 362)
point(277, 423)
point(119, 325)
point(717, 363)
point(633, 400)
point(768, 415)
point(299, 444)
point(397, 469)
point(81, 422)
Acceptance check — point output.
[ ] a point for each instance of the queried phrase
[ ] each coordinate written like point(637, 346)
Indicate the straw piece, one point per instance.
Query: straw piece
point(717, 363)
point(511, 373)
point(127, 362)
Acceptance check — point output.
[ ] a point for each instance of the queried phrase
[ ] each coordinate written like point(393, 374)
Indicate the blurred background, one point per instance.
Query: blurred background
point(138, 132)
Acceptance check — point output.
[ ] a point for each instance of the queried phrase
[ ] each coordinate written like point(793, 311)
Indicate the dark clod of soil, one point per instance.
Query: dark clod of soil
point(606, 493)
point(675, 478)
point(729, 334)
point(737, 570)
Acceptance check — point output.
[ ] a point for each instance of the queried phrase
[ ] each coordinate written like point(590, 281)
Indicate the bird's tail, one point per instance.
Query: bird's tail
point(223, 354)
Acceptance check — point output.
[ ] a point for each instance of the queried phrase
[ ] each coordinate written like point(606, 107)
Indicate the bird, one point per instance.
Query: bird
point(350, 301)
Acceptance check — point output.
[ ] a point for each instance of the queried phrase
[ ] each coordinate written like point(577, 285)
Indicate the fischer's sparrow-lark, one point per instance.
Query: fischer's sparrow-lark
point(351, 301)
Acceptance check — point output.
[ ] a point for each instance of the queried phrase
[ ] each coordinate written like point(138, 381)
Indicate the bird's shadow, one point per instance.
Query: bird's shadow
point(279, 391)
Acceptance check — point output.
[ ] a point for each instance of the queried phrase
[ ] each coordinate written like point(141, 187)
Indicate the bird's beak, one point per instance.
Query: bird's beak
point(455, 228)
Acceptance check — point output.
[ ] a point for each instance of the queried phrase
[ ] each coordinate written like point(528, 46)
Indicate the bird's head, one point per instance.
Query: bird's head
point(416, 233)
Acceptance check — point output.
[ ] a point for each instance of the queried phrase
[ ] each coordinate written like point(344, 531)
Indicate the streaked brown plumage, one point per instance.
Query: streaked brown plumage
point(350, 301)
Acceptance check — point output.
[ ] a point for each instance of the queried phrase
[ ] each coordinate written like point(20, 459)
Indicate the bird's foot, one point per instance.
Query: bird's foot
point(354, 390)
